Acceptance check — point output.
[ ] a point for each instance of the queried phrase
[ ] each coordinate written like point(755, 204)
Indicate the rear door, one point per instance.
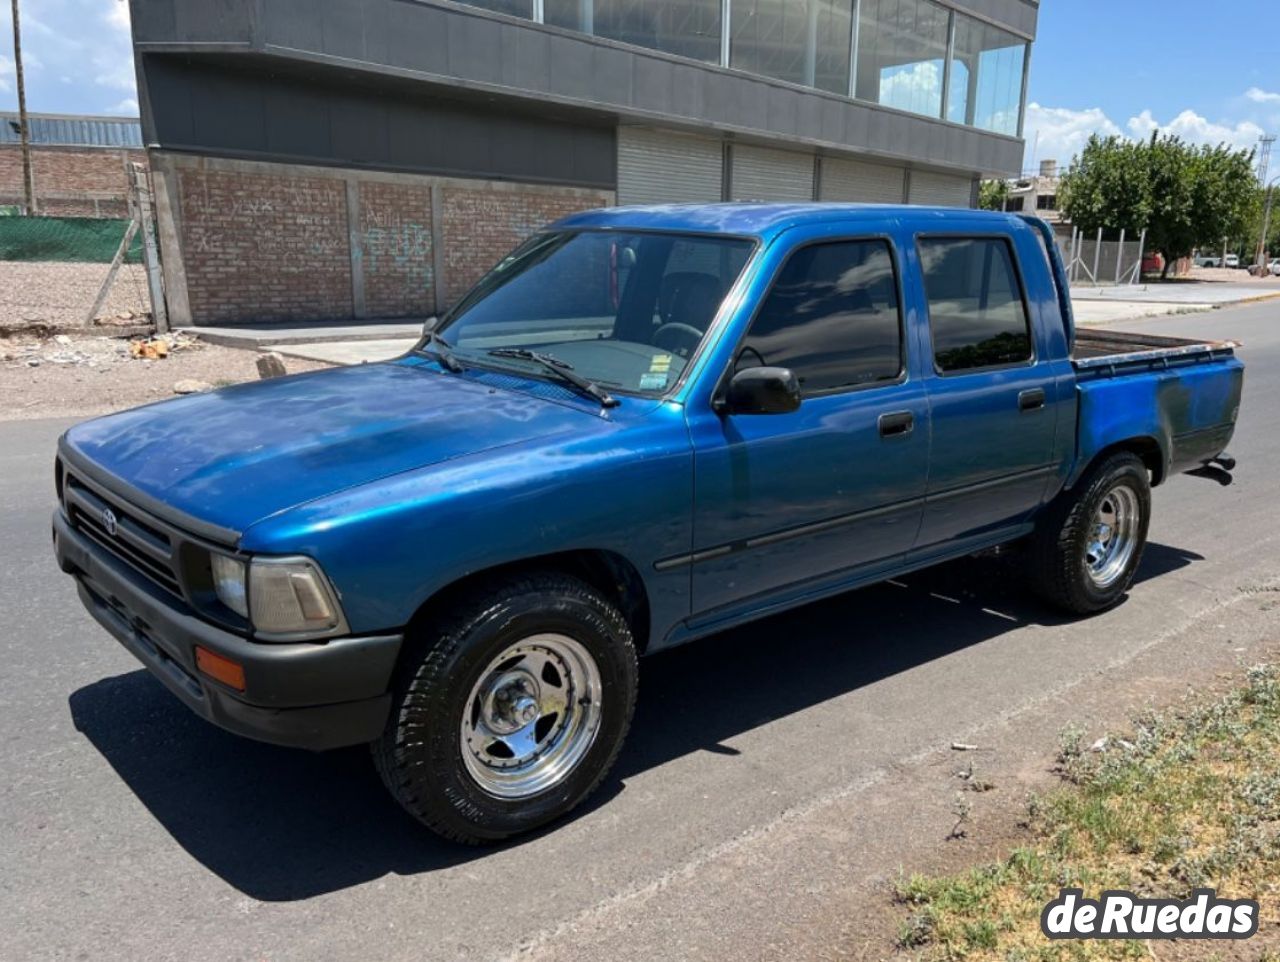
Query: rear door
point(993, 396)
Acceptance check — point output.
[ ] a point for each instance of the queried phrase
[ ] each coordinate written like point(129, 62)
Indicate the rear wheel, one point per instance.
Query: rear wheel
point(513, 711)
point(1088, 544)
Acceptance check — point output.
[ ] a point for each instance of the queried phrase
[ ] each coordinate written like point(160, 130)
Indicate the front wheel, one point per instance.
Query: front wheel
point(513, 711)
point(1087, 546)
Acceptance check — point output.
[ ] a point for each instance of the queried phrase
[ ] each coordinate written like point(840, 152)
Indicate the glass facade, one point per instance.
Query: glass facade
point(685, 28)
point(986, 77)
point(803, 41)
point(902, 54)
point(914, 55)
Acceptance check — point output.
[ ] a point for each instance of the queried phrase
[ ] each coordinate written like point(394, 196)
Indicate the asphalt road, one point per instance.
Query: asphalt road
point(131, 829)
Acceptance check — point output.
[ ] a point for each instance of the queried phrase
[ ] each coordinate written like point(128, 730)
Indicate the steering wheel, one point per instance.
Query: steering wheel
point(682, 331)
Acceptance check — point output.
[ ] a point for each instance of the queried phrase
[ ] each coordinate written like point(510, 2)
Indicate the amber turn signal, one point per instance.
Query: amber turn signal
point(221, 669)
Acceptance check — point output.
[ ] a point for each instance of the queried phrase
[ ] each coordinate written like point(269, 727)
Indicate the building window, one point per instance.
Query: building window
point(516, 8)
point(902, 51)
point(1047, 202)
point(803, 41)
point(1015, 204)
point(976, 315)
point(685, 28)
point(831, 317)
point(986, 77)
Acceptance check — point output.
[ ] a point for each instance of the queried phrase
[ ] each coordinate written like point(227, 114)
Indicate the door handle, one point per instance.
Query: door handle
point(897, 424)
point(1031, 400)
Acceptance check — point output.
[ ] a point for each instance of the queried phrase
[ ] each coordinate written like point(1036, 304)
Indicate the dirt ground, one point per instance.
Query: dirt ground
point(51, 365)
point(60, 295)
point(84, 375)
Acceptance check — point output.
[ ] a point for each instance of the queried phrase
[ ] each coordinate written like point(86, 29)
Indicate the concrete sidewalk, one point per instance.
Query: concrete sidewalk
point(1109, 305)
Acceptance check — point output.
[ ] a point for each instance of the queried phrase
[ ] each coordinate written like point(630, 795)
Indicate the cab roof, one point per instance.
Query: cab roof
point(766, 220)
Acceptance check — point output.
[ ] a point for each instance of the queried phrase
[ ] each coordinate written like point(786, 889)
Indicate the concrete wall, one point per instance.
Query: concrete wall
point(69, 181)
point(251, 241)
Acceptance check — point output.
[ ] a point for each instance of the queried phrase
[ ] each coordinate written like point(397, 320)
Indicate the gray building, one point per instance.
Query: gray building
point(498, 114)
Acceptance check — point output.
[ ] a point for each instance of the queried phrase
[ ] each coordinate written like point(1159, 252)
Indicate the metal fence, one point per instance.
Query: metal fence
point(1094, 260)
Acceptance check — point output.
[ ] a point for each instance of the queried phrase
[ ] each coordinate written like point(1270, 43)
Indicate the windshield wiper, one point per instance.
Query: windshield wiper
point(444, 351)
point(562, 370)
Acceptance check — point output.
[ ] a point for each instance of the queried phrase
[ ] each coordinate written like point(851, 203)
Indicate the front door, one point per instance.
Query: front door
point(786, 502)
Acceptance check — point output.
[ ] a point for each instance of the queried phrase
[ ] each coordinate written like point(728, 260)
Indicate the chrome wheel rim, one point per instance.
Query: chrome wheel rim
point(532, 716)
point(1113, 536)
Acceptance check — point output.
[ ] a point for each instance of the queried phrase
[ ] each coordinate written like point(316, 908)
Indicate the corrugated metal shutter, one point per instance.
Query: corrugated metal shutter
point(940, 190)
point(73, 131)
point(656, 167)
point(856, 181)
point(761, 173)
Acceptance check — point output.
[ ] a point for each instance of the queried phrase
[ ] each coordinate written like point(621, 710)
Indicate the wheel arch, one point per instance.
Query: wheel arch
point(1144, 446)
point(609, 572)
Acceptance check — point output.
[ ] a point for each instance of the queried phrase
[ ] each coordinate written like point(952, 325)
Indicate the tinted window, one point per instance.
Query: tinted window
point(976, 314)
point(831, 317)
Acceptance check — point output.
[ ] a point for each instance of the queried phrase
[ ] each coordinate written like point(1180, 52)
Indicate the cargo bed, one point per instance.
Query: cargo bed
point(1106, 353)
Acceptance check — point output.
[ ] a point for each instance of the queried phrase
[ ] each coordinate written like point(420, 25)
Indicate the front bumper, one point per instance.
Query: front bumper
point(315, 695)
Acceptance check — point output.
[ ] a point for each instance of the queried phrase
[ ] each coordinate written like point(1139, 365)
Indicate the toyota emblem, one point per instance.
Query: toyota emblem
point(109, 521)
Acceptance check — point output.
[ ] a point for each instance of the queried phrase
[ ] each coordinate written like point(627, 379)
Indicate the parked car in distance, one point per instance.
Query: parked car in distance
point(644, 426)
point(1274, 267)
point(1231, 260)
point(1207, 260)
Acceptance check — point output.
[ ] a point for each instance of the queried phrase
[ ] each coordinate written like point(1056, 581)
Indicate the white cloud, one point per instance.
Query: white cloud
point(1190, 126)
point(118, 15)
point(127, 107)
point(1063, 131)
point(6, 71)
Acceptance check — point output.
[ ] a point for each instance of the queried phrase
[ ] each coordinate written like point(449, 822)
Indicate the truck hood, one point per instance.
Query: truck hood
point(232, 457)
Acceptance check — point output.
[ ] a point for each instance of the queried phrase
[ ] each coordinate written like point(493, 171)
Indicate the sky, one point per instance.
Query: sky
point(1207, 72)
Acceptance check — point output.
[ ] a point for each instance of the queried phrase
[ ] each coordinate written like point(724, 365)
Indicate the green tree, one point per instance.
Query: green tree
point(1183, 195)
point(992, 194)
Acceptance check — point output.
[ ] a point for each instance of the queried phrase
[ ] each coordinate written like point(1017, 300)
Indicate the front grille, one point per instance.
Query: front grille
point(136, 541)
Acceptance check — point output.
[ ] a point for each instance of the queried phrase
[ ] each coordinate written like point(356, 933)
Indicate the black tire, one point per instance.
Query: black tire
point(420, 754)
point(1059, 569)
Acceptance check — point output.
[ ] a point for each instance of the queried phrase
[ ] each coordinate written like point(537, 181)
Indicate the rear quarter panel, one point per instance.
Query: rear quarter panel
point(1189, 411)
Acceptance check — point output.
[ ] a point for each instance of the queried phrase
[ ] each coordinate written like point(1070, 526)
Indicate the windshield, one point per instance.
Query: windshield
point(627, 311)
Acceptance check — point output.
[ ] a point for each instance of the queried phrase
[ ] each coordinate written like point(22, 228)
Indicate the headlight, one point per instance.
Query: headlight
point(228, 583)
point(290, 595)
point(280, 596)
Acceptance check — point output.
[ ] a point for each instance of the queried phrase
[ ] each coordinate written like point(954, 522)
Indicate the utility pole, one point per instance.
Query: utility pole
point(1264, 163)
point(28, 178)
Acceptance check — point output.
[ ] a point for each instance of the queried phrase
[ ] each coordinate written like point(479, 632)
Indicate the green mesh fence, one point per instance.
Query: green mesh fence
point(88, 239)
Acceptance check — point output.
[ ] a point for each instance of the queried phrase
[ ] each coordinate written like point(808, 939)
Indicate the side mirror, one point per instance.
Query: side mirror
point(761, 390)
point(429, 325)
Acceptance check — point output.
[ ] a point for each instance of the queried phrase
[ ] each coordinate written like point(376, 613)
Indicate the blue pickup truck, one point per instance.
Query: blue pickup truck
point(643, 426)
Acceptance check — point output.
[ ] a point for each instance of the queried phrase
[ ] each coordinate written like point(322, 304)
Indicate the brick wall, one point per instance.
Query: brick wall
point(396, 249)
point(269, 248)
point(69, 181)
point(272, 242)
point(480, 226)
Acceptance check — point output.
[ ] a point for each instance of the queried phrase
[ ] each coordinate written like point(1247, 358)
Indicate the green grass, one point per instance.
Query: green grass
point(1189, 798)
